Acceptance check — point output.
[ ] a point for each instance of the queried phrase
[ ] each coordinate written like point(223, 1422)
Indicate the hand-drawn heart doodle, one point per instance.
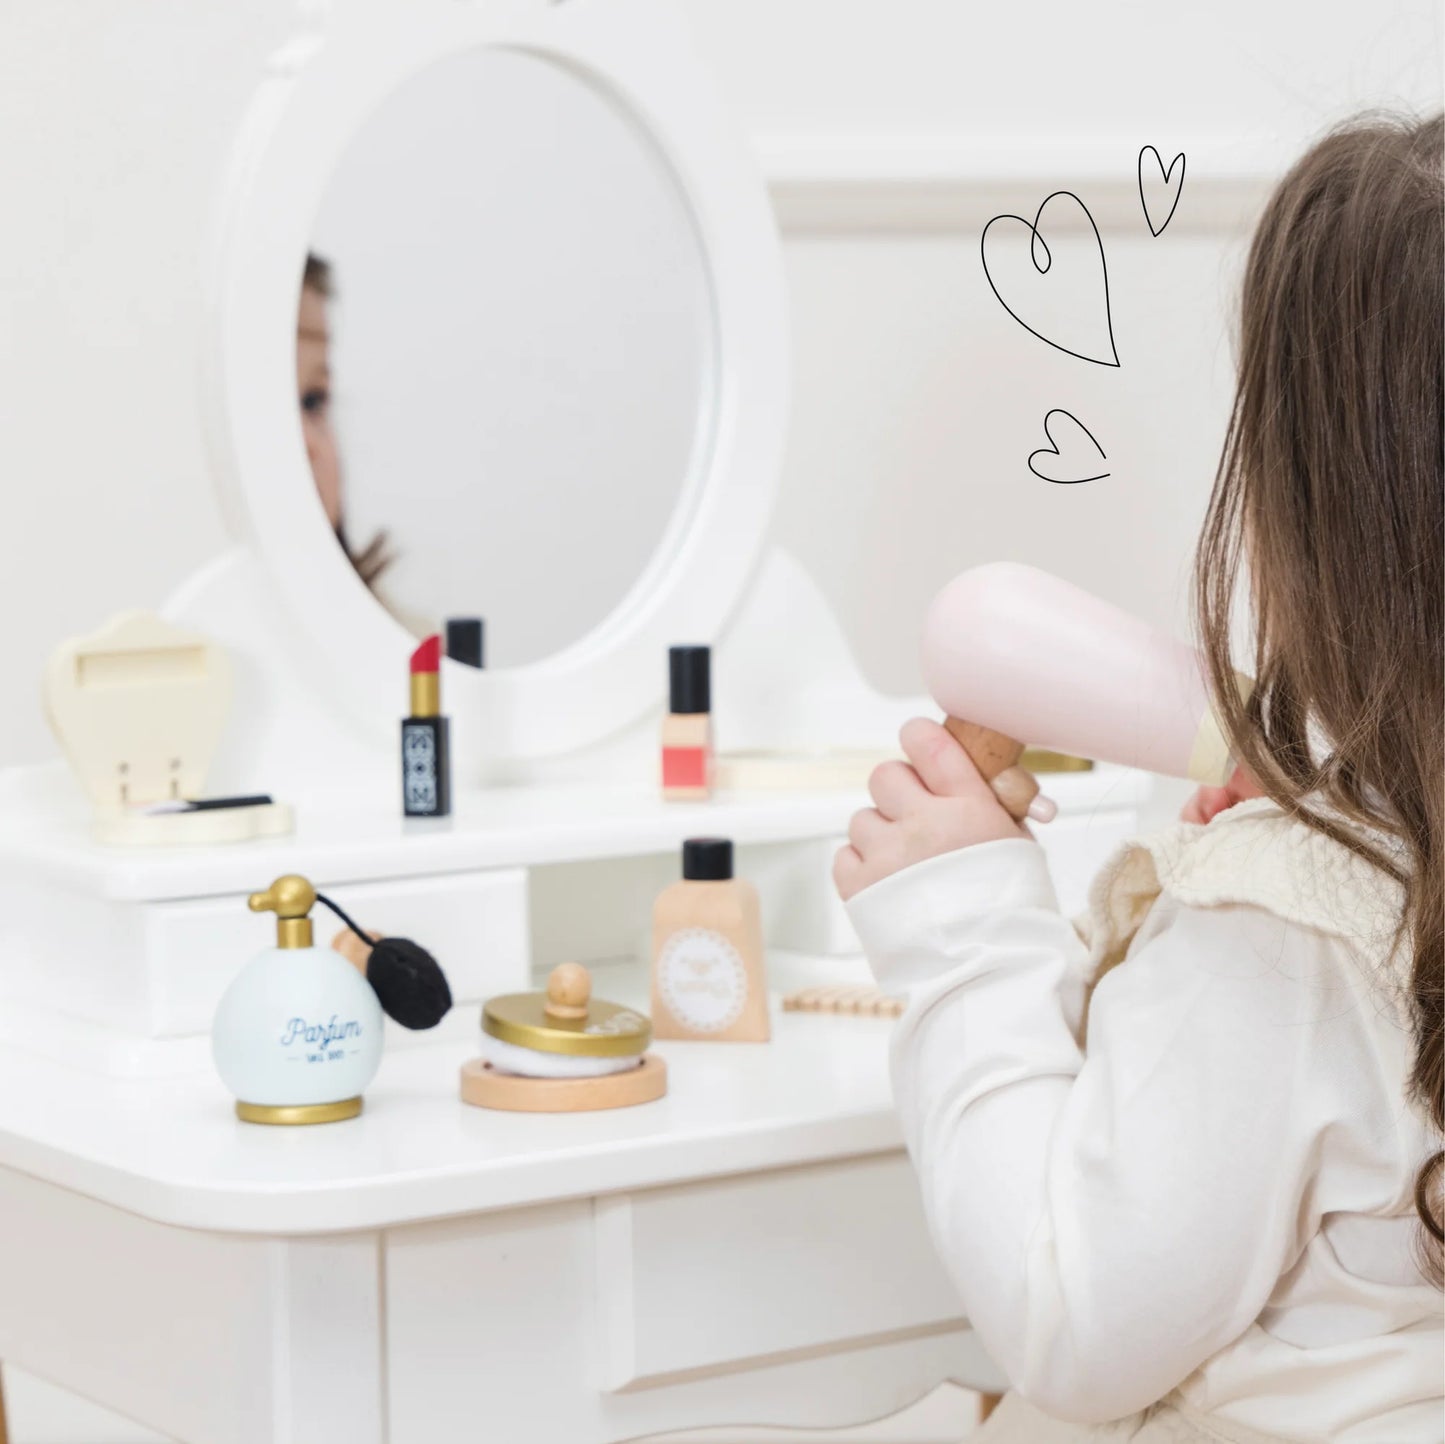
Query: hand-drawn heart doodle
point(1073, 445)
point(1161, 181)
point(1053, 300)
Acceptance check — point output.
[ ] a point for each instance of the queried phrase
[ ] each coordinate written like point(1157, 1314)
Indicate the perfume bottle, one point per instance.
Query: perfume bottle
point(298, 1034)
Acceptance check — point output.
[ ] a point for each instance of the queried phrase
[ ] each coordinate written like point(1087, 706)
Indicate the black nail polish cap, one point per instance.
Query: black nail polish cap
point(689, 672)
point(707, 859)
point(467, 641)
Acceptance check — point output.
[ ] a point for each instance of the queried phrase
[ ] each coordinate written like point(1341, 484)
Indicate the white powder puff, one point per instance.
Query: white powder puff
point(529, 1063)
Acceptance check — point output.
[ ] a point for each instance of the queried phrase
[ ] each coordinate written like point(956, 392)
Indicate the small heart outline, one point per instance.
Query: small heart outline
point(1053, 450)
point(1164, 177)
point(1035, 242)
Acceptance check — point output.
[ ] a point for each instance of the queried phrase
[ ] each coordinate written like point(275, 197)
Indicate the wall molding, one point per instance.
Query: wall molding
point(944, 184)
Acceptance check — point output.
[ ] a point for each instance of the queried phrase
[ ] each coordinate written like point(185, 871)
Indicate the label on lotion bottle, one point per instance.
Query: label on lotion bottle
point(702, 980)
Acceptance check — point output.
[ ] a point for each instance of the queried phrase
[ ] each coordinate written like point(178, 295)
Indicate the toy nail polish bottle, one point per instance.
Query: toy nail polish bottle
point(687, 760)
point(297, 1037)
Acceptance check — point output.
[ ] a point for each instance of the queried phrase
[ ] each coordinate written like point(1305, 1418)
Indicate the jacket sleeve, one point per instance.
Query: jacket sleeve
point(1109, 1221)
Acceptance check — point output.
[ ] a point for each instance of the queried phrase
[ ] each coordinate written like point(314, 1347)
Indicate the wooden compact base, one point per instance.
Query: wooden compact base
point(483, 1087)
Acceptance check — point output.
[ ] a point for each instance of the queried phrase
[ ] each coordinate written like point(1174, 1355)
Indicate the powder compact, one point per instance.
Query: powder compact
point(561, 1051)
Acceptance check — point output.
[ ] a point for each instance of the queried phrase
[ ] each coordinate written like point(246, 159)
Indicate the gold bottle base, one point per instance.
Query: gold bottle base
point(294, 1114)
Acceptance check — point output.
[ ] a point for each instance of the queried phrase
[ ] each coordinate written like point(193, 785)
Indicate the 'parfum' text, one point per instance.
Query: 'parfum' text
point(320, 1035)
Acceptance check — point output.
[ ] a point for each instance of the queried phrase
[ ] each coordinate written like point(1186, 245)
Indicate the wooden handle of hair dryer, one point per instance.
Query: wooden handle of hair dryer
point(996, 756)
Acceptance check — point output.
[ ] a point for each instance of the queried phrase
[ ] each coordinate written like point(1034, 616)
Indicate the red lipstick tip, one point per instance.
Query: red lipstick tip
point(428, 656)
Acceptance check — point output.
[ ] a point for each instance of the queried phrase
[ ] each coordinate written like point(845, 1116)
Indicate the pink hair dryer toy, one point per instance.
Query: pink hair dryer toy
point(1025, 657)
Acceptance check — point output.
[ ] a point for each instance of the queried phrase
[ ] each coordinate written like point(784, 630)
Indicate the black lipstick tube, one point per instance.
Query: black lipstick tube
point(426, 763)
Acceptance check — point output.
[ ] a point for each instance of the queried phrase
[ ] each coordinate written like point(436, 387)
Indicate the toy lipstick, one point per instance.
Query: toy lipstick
point(426, 764)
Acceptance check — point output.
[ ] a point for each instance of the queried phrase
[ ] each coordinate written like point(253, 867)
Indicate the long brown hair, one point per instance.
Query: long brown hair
point(1332, 486)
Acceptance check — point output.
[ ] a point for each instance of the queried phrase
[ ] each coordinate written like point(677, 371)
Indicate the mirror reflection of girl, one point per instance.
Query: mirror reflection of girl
point(313, 381)
point(1217, 1216)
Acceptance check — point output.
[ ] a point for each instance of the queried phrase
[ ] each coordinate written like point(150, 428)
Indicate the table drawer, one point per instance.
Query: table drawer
point(707, 1278)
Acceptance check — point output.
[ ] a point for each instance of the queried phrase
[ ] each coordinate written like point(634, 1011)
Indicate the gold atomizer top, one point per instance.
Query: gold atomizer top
point(291, 898)
point(565, 1019)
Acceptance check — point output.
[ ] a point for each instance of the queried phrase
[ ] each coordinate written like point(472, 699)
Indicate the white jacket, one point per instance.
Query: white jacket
point(1217, 1197)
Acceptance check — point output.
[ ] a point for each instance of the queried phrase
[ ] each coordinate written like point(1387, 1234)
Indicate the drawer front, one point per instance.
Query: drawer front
point(706, 1278)
point(474, 923)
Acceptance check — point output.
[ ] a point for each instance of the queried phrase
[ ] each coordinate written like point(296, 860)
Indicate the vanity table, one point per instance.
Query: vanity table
point(749, 1249)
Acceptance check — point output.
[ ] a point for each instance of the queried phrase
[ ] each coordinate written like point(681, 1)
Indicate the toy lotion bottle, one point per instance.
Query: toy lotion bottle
point(708, 979)
point(297, 1037)
point(687, 763)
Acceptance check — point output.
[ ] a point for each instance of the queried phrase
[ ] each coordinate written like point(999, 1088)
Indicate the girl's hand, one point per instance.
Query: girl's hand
point(937, 804)
point(1209, 802)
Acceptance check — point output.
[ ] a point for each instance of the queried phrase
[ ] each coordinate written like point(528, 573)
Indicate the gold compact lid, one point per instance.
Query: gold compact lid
point(565, 1019)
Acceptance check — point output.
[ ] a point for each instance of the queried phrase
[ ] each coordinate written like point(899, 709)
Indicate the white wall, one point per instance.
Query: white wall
point(918, 398)
point(893, 69)
point(891, 127)
point(103, 465)
point(113, 505)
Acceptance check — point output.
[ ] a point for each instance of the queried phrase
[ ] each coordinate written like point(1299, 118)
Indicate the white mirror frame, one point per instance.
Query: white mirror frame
point(323, 86)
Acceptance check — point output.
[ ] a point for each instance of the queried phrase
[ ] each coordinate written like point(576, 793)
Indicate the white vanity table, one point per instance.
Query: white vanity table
point(748, 1250)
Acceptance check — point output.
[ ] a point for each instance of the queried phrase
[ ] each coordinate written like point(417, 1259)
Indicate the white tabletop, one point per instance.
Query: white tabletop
point(173, 1150)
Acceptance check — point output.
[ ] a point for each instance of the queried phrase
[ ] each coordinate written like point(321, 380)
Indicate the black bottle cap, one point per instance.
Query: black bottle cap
point(467, 641)
point(707, 859)
point(690, 679)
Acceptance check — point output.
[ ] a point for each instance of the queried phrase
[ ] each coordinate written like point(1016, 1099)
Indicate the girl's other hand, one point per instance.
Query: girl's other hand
point(1209, 802)
point(936, 802)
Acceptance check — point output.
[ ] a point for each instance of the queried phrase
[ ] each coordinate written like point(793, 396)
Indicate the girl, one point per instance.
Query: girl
point(1222, 1220)
point(313, 387)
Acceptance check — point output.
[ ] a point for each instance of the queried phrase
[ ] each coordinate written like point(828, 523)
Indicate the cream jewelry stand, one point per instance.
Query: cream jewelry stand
point(139, 708)
point(710, 1258)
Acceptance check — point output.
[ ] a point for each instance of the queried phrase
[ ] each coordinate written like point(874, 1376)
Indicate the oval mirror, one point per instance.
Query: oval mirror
point(553, 382)
point(505, 352)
